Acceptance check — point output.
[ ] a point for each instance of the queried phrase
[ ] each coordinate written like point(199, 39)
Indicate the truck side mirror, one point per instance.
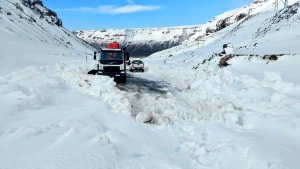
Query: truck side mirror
point(95, 55)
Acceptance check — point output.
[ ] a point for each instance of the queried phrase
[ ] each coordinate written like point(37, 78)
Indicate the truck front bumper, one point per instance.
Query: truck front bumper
point(113, 74)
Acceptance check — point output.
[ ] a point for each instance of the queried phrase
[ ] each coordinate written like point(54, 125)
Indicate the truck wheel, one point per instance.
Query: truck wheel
point(120, 79)
point(123, 79)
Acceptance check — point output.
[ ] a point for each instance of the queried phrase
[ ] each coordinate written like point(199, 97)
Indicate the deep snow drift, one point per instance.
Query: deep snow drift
point(243, 116)
point(258, 97)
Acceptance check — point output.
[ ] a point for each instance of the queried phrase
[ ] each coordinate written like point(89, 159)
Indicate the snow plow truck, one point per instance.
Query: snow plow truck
point(112, 62)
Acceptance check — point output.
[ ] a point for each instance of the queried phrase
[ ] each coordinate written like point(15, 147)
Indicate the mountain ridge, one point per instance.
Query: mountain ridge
point(146, 41)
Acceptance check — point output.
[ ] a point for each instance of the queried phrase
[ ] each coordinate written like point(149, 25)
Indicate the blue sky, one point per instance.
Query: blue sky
point(100, 14)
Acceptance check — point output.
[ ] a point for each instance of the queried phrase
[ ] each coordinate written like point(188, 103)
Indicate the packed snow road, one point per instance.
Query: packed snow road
point(135, 83)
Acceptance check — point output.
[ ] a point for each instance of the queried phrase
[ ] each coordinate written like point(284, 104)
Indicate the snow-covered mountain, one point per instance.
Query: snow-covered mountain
point(145, 41)
point(260, 32)
point(140, 42)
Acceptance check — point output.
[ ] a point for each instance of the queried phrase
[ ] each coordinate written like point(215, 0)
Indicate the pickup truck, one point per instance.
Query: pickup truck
point(136, 66)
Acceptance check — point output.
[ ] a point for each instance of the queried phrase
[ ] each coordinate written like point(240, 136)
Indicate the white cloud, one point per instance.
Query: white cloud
point(111, 9)
point(130, 1)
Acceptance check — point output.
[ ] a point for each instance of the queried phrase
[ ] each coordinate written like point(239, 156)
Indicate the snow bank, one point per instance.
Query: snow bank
point(245, 115)
point(55, 117)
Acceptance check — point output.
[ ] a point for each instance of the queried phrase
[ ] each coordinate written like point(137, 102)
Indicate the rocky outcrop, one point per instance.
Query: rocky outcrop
point(240, 17)
point(38, 7)
point(142, 49)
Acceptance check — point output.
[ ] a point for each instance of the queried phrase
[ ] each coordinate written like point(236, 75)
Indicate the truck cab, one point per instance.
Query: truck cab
point(112, 62)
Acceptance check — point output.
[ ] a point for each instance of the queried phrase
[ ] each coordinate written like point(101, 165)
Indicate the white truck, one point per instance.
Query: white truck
point(112, 62)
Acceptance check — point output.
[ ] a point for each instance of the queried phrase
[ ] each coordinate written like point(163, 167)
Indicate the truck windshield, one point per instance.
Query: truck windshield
point(109, 57)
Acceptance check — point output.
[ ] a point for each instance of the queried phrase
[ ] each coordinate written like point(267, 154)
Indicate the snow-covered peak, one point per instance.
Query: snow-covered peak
point(145, 41)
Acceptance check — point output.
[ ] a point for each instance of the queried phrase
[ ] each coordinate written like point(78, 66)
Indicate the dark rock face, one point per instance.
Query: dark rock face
point(223, 24)
point(272, 57)
point(142, 49)
point(32, 3)
point(240, 17)
point(146, 49)
point(38, 7)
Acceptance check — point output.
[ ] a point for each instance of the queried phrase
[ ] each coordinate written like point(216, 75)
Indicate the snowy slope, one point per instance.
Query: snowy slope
point(257, 97)
point(244, 116)
point(262, 32)
point(32, 34)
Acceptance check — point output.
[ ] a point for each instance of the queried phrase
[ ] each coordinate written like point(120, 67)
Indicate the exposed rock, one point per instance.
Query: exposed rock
point(142, 49)
point(272, 57)
point(223, 61)
point(223, 23)
point(49, 15)
point(228, 48)
point(30, 3)
point(240, 17)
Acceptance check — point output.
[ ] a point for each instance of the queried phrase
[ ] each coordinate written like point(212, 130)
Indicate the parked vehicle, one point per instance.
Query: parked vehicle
point(137, 66)
point(112, 62)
